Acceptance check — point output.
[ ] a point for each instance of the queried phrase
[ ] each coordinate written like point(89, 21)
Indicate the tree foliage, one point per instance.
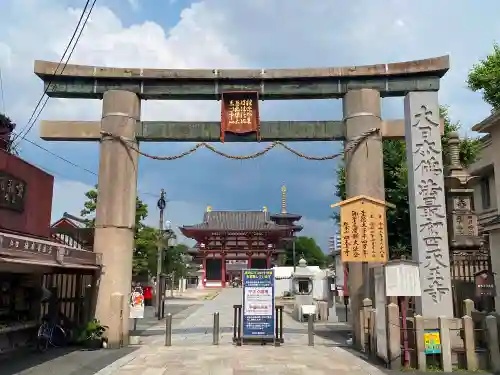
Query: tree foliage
point(89, 207)
point(396, 183)
point(7, 126)
point(175, 259)
point(146, 239)
point(307, 248)
point(485, 76)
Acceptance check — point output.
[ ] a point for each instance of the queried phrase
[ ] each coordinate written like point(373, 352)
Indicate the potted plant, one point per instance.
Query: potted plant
point(91, 336)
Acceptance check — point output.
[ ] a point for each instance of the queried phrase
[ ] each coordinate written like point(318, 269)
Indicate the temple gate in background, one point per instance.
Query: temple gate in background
point(120, 131)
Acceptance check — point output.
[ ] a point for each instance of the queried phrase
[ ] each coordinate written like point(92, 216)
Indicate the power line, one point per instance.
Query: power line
point(72, 164)
point(60, 157)
point(38, 110)
point(34, 115)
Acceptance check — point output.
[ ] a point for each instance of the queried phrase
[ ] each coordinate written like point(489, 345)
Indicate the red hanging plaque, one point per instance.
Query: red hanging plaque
point(240, 113)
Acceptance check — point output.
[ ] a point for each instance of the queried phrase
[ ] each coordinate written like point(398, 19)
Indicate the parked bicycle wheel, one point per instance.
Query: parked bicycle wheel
point(58, 337)
point(42, 343)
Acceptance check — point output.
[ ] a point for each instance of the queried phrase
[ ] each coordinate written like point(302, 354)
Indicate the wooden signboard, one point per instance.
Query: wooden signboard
point(240, 113)
point(363, 230)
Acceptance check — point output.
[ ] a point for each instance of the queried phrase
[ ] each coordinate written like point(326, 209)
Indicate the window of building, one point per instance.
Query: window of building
point(485, 193)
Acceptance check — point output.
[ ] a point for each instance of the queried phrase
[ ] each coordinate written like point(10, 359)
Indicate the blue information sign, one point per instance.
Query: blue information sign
point(258, 303)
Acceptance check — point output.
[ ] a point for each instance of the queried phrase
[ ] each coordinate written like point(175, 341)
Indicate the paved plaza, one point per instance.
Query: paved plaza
point(245, 360)
point(192, 351)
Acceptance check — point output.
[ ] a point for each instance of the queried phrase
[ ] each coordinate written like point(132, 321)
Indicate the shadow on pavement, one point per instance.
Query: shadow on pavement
point(149, 320)
point(60, 361)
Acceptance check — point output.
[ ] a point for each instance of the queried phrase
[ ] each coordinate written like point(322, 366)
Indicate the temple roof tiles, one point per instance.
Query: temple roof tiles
point(236, 221)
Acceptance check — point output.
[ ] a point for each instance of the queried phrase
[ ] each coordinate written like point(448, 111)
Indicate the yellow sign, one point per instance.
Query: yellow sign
point(432, 342)
point(363, 230)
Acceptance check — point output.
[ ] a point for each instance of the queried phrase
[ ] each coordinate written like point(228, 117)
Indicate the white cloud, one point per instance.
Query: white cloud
point(232, 34)
point(134, 4)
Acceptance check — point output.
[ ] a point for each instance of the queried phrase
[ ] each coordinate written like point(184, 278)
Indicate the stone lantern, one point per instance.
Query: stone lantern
point(466, 245)
point(462, 220)
point(302, 289)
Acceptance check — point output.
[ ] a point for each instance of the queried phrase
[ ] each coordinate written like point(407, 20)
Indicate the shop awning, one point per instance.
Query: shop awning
point(28, 250)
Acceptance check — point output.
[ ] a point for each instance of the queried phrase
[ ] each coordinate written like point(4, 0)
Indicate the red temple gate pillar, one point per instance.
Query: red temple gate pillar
point(204, 274)
point(223, 270)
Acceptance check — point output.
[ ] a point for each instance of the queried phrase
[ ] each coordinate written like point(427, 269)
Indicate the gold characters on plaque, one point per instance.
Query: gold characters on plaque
point(240, 111)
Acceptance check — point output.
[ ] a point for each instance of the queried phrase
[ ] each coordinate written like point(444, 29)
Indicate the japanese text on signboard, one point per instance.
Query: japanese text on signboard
point(363, 232)
point(258, 303)
point(240, 113)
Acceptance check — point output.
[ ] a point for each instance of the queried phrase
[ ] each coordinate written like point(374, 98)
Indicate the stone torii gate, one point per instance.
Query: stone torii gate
point(360, 88)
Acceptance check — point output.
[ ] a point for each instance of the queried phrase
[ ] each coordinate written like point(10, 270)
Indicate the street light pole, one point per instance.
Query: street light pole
point(293, 255)
point(162, 203)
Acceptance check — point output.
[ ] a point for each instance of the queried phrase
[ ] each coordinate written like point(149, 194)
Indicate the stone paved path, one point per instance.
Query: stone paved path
point(244, 360)
point(194, 326)
point(192, 352)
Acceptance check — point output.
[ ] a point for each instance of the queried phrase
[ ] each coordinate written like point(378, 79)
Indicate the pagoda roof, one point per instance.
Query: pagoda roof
point(286, 215)
point(235, 221)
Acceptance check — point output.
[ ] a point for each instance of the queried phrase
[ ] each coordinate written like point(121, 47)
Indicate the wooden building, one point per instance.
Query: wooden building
point(32, 259)
point(230, 241)
point(73, 231)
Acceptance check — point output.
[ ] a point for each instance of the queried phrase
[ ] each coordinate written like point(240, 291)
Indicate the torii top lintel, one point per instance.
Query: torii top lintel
point(394, 79)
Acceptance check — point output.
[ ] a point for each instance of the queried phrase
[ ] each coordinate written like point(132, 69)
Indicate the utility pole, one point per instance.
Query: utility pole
point(162, 203)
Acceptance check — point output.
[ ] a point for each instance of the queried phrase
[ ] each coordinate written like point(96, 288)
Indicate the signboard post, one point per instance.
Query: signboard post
point(364, 240)
point(136, 302)
point(259, 317)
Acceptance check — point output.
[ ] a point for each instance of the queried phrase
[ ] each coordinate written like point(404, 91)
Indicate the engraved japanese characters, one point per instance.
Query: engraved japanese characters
point(12, 192)
point(427, 203)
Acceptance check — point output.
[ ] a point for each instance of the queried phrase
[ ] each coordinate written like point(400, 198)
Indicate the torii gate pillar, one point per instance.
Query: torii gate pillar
point(364, 168)
point(115, 213)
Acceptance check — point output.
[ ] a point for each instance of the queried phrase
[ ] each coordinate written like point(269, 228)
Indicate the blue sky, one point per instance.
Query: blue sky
point(233, 34)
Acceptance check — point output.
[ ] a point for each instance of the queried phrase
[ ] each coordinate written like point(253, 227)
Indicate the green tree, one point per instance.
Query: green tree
point(89, 207)
point(176, 259)
point(485, 76)
point(145, 237)
point(145, 251)
point(396, 183)
point(6, 129)
point(305, 247)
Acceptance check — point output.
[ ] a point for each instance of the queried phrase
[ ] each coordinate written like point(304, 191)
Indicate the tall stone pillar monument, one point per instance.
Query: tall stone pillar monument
point(427, 203)
point(364, 168)
point(116, 205)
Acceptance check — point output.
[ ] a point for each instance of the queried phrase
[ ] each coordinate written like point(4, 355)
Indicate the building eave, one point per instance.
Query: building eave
point(485, 125)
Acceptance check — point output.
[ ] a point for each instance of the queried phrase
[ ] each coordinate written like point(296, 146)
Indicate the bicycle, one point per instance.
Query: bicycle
point(50, 334)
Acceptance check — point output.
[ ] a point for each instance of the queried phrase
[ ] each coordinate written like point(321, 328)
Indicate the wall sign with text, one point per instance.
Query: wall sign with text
point(12, 192)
